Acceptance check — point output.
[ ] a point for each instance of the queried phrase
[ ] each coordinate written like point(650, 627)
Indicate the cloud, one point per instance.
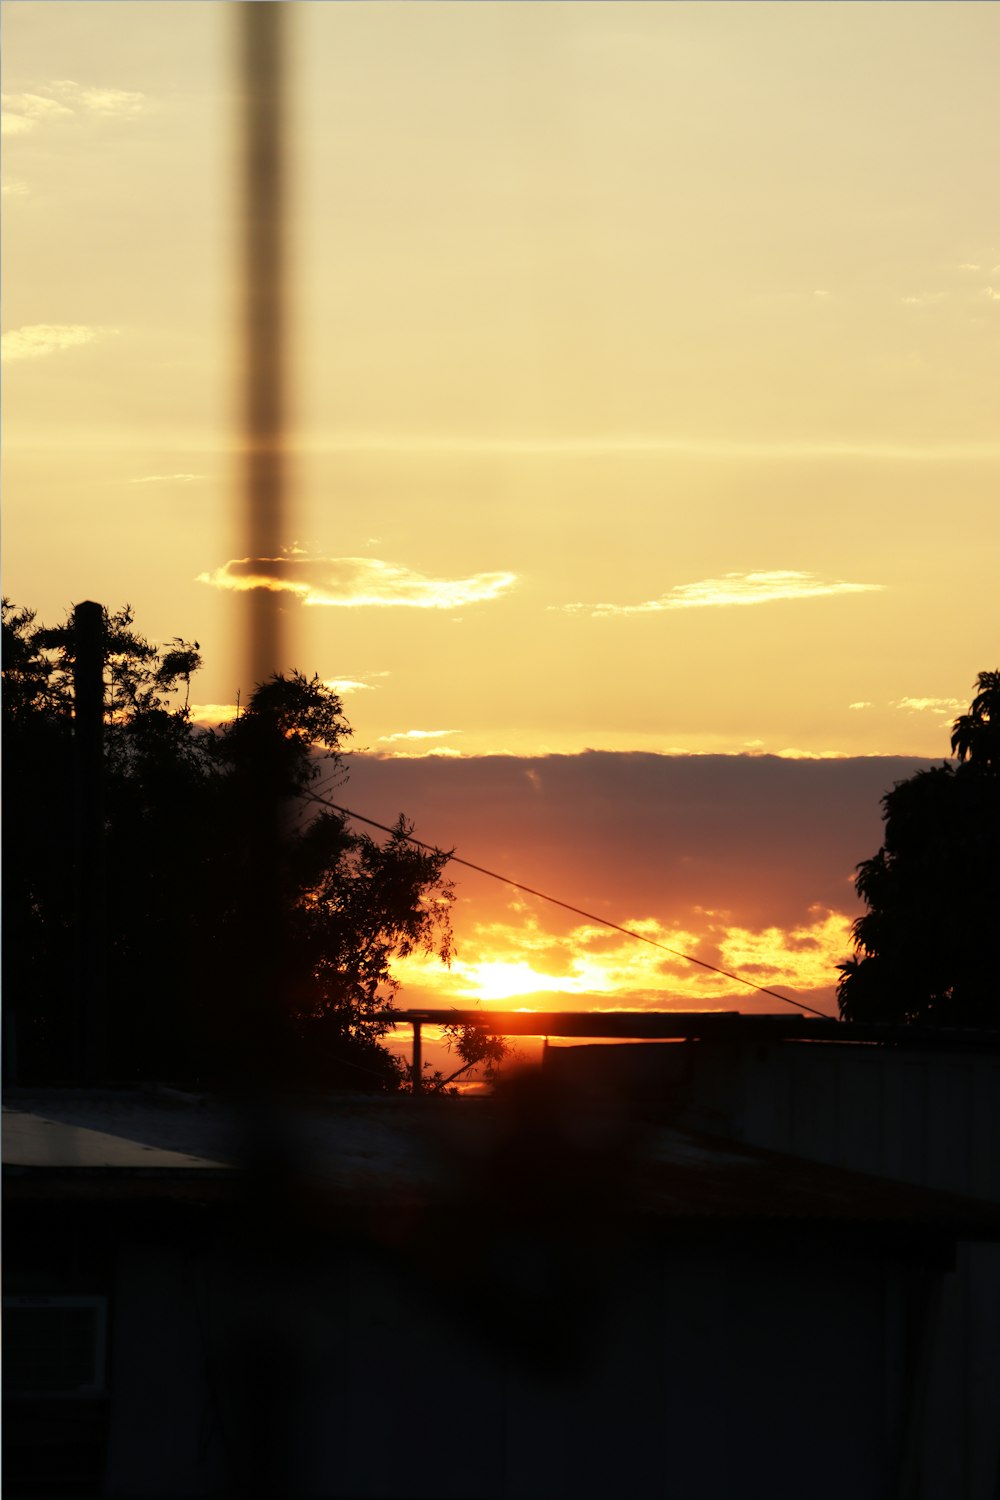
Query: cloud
point(757, 839)
point(168, 479)
point(12, 188)
point(417, 734)
point(344, 685)
point(862, 703)
point(929, 705)
point(734, 589)
point(22, 112)
point(924, 299)
point(991, 294)
point(792, 753)
point(419, 743)
point(98, 101)
point(439, 752)
point(38, 339)
point(968, 265)
point(354, 582)
point(64, 100)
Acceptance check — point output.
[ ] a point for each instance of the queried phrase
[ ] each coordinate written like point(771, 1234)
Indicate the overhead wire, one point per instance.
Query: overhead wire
point(590, 916)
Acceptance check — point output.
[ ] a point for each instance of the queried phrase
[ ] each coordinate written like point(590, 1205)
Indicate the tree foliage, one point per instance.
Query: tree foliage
point(926, 946)
point(477, 1047)
point(179, 841)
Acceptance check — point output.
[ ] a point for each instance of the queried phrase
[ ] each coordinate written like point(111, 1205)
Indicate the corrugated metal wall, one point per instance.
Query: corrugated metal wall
point(929, 1118)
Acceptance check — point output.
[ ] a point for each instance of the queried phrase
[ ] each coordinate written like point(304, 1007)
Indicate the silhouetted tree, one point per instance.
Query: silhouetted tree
point(477, 1047)
point(179, 843)
point(975, 737)
point(927, 945)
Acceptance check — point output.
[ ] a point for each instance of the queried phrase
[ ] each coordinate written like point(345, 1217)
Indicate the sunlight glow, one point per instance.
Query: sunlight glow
point(496, 979)
point(514, 960)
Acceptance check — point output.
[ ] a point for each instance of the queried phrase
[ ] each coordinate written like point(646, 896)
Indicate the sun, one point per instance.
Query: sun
point(499, 979)
point(494, 979)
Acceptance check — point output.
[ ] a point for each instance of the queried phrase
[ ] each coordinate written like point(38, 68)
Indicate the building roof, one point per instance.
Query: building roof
point(445, 1153)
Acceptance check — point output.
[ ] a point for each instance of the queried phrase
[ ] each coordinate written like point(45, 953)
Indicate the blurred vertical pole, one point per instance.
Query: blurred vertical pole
point(263, 1368)
point(90, 1042)
point(263, 28)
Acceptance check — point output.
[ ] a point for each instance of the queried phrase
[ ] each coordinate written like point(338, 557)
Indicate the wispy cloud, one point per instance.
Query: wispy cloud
point(97, 101)
point(759, 748)
point(862, 703)
point(416, 734)
point(928, 705)
point(355, 582)
point(733, 589)
point(924, 299)
point(345, 685)
point(22, 112)
point(38, 339)
point(423, 752)
point(13, 188)
point(790, 752)
point(63, 100)
point(168, 479)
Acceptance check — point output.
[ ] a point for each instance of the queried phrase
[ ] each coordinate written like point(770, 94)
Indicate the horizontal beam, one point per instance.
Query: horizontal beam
point(662, 1025)
point(584, 1023)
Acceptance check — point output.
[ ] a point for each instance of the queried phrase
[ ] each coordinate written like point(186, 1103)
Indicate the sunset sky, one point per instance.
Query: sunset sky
point(644, 395)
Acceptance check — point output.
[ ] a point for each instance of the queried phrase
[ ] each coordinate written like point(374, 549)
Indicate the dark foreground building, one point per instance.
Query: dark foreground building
point(566, 1292)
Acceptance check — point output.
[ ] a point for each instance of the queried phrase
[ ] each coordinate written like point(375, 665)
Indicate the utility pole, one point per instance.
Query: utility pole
point(90, 1041)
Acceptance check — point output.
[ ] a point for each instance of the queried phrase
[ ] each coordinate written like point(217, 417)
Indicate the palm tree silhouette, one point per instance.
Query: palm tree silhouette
point(975, 736)
point(924, 948)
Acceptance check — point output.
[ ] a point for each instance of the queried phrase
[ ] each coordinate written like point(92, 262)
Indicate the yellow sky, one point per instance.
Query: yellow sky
point(645, 361)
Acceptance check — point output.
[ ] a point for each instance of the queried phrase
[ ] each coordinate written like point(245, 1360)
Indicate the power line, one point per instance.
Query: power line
point(566, 906)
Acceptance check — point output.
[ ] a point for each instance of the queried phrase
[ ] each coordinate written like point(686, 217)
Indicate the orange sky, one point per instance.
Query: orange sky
point(644, 382)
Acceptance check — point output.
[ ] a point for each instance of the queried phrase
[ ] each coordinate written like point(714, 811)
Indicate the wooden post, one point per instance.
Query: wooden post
point(90, 1042)
point(417, 1068)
